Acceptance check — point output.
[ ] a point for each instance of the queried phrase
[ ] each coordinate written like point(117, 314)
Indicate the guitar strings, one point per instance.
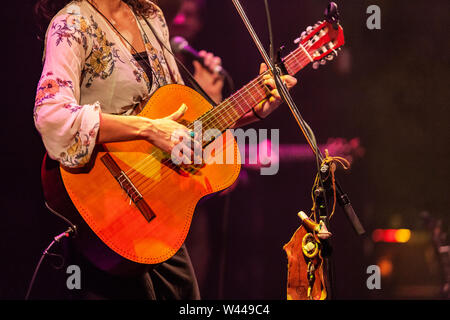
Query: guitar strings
point(149, 185)
point(216, 118)
point(236, 97)
point(229, 101)
point(157, 163)
point(212, 120)
point(166, 172)
point(215, 114)
point(141, 171)
point(232, 100)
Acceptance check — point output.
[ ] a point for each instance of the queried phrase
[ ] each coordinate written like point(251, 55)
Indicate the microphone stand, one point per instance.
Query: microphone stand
point(325, 185)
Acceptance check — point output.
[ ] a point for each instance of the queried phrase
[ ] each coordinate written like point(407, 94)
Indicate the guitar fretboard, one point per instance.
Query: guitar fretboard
point(241, 102)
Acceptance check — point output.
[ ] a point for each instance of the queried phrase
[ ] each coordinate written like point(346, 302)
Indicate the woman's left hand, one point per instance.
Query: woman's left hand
point(274, 101)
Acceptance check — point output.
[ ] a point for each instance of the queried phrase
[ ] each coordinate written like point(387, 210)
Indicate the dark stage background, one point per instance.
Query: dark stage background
point(393, 96)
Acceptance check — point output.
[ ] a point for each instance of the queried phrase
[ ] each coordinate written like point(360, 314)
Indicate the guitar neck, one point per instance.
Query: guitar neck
point(233, 108)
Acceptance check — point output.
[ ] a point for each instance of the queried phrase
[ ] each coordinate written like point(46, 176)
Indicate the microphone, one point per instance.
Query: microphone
point(180, 45)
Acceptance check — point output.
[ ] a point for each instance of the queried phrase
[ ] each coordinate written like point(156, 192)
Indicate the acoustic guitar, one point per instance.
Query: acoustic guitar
point(134, 198)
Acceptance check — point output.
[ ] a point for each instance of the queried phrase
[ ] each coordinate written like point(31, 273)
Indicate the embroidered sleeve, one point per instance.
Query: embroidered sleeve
point(68, 129)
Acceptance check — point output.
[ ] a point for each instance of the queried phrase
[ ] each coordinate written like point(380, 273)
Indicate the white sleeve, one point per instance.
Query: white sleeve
point(68, 129)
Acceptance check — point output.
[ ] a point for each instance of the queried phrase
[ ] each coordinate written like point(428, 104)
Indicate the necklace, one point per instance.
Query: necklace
point(131, 46)
point(194, 83)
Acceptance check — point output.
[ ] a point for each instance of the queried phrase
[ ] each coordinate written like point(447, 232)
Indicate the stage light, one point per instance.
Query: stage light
point(386, 266)
point(402, 235)
point(391, 235)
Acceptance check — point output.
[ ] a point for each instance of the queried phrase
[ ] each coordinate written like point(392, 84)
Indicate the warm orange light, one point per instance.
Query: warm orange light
point(391, 235)
point(386, 266)
point(402, 235)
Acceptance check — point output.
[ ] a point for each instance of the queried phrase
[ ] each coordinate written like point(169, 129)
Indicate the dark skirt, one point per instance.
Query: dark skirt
point(173, 279)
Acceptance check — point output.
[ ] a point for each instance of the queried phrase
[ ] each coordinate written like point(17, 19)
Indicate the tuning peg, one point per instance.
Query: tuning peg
point(329, 57)
point(302, 36)
point(315, 65)
point(323, 61)
point(308, 29)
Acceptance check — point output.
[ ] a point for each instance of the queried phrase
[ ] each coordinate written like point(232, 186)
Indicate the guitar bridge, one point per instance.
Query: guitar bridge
point(127, 185)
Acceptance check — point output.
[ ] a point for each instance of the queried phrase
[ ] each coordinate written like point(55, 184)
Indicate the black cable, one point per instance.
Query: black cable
point(269, 27)
point(30, 286)
point(283, 91)
point(74, 227)
point(56, 239)
point(308, 132)
point(71, 231)
point(284, 94)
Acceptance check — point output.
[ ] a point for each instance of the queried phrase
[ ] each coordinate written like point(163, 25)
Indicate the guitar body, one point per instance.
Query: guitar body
point(170, 192)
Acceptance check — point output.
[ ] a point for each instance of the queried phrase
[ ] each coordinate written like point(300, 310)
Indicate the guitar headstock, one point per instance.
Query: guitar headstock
point(317, 43)
point(322, 41)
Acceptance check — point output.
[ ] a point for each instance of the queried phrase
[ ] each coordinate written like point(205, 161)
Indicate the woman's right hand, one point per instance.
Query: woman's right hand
point(166, 133)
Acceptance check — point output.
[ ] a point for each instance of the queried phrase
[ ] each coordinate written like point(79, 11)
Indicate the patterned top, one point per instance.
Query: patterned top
point(142, 59)
point(88, 70)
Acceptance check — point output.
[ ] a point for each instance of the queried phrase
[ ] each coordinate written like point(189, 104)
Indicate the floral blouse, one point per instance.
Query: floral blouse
point(88, 70)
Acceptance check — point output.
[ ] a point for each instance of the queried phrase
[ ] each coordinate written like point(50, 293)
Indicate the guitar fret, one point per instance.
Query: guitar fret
point(295, 61)
point(221, 121)
point(245, 100)
point(235, 104)
point(237, 115)
point(251, 96)
point(223, 115)
point(229, 109)
point(288, 64)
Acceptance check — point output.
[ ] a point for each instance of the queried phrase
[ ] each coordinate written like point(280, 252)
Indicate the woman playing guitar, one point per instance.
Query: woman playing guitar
point(103, 60)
